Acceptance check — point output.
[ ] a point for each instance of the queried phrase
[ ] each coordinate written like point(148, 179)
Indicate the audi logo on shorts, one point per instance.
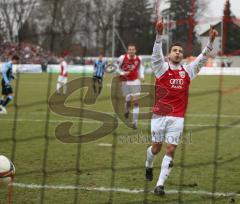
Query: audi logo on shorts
point(176, 81)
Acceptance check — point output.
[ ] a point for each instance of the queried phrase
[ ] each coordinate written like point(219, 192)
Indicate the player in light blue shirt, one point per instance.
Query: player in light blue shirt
point(7, 76)
point(99, 70)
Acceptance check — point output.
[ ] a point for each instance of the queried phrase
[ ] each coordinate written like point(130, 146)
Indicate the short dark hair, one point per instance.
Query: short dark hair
point(131, 45)
point(174, 44)
point(15, 57)
point(100, 53)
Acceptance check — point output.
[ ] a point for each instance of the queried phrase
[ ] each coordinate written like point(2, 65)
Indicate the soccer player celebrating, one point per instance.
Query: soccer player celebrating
point(130, 70)
point(7, 76)
point(63, 76)
point(99, 69)
point(171, 99)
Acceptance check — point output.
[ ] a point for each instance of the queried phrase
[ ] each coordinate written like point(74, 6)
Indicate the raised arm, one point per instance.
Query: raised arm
point(157, 59)
point(194, 68)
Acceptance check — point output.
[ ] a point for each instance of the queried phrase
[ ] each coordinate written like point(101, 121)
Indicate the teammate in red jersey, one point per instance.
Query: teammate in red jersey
point(171, 99)
point(63, 76)
point(130, 70)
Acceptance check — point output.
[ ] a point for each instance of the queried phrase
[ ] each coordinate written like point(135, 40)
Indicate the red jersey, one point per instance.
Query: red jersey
point(63, 67)
point(171, 93)
point(172, 85)
point(132, 66)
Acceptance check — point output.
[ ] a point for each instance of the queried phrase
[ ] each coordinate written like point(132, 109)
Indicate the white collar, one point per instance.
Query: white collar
point(174, 66)
point(128, 56)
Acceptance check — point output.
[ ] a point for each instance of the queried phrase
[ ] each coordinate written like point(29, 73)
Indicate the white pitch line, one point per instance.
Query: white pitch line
point(213, 125)
point(196, 115)
point(191, 115)
point(94, 122)
point(34, 120)
point(105, 145)
point(121, 190)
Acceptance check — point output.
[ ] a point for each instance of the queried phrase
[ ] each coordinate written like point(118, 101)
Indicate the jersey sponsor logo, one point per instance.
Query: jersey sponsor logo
point(182, 74)
point(128, 67)
point(176, 83)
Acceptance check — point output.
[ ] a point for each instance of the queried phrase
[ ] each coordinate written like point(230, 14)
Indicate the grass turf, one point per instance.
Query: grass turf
point(27, 132)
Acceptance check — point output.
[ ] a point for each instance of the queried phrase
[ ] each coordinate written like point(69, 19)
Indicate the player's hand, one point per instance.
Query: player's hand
point(142, 80)
point(13, 77)
point(212, 34)
point(8, 86)
point(123, 73)
point(159, 26)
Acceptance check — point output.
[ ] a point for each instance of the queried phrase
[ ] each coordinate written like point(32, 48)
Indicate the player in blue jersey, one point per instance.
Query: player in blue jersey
point(7, 76)
point(99, 69)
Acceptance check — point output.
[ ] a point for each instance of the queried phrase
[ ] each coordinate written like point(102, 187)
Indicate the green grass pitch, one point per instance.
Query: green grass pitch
point(121, 166)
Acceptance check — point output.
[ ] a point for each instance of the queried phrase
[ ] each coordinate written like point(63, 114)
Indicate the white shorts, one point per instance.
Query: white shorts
point(131, 88)
point(167, 128)
point(62, 79)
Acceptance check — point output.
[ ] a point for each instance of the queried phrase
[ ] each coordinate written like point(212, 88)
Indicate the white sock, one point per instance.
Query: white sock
point(58, 87)
point(64, 88)
point(127, 102)
point(150, 157)
point(126, 106)
point(135, 114)
point(165, 170)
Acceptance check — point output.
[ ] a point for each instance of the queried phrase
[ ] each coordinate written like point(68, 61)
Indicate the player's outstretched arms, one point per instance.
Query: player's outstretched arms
point(157, 59)
point(195, 67)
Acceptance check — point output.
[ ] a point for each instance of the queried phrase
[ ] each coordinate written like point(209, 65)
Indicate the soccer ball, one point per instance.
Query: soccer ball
point(7, 170)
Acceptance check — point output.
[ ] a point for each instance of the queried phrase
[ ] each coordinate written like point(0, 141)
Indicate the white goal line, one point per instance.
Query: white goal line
point(190, 115)
point(122, 190)
point(94, 122)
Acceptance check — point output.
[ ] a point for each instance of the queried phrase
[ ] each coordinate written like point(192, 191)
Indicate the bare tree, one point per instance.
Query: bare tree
point(2, 34)
point(14, 13)
point(60, 22)
point(102, 18)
